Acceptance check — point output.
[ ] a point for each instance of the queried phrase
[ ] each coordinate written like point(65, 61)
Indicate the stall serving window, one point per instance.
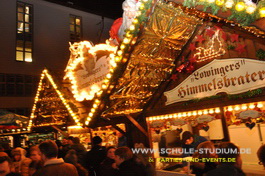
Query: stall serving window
point(108, 134)
point(166, 132)
point(246, 127)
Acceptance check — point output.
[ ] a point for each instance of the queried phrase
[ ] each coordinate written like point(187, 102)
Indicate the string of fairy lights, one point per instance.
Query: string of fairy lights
point(120, 56)
point(64, 101)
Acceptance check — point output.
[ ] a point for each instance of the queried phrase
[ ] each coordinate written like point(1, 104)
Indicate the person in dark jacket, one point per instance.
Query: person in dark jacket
point(190, 142)
point(72, 158)
point(207, 150)
point(80, 150)
point(108, 166)
point(95, 156)
point(127, 164)
point(227, 152)
point(53, 165)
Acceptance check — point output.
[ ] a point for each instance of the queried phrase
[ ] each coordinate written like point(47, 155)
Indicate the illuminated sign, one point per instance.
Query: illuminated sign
point(232, 76)
point(88, 68)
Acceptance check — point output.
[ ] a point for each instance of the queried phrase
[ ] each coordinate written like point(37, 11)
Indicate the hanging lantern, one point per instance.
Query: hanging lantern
point(219, 2)
point(240, 6)
point(262, 12)
point(251, 8)
point(229, 4)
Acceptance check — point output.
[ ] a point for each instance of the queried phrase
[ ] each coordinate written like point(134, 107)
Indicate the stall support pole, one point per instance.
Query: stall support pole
point(260, 135)
point(137, 125)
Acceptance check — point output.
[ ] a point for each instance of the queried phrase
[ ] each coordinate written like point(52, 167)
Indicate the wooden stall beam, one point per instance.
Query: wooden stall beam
point(58, 129)
point(137, 124)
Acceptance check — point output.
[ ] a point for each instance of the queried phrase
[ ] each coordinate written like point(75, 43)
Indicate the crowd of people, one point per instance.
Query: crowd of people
point(230, 163)
point(70, 158)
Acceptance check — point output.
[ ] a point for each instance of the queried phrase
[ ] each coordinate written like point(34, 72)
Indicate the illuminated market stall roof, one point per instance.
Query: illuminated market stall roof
point(51, 106)
point(149, 50)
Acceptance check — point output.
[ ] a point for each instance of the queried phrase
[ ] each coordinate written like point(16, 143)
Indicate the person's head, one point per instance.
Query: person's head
point(71, 157)
point(261, 155)
point(18, 153)
point(111, 152)
point(70, 140)
point(187, 138)
point(64, 141)
point(35, 154)
point(207, 148)
point(76, 140)
point(96, 140)
point(122, 154)
point(48, 150)
point(229, 151)
point(5, 163)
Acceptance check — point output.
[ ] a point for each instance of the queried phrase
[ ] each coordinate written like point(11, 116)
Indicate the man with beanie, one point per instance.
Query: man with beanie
point(95, 156)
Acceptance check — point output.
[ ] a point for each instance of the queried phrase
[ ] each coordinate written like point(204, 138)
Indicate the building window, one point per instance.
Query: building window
point(12, 85)
point(24, 32)
point(75, 28)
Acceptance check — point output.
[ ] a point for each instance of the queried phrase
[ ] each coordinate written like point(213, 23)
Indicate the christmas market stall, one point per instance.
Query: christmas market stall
point(12, 127)
point(181, 66)
point(216, 85)
point(53, 111)
point(177, 66)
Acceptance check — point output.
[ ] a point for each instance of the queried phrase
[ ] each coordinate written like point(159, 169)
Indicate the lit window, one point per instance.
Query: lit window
point(24, 32)
point(75, 28)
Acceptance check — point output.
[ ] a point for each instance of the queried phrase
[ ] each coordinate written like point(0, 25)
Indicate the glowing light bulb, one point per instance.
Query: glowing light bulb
point(252, 106)
point(251, 8)
point(262, 12)
point(219, 2)
point(211, 111)
point(217, 110)
point(205, 112)
point(244, 107)
point(260, 105)
point(200, 112)
point(229, 4)
point(237, 108)
point(189, 114)
point(240, 6)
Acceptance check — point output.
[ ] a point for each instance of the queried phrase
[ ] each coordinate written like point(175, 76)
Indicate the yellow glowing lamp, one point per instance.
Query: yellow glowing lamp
point(252, 106)
point(260, 105)
point(219, 2)
point(240, 6)
point(251, 8)
point(262, 12)
point(210, 1)
point(229, 4)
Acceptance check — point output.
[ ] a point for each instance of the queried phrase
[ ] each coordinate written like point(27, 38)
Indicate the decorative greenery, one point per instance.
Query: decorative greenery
point(241, 17)
point(230, 47)
point(248, 94)
point(260, 54)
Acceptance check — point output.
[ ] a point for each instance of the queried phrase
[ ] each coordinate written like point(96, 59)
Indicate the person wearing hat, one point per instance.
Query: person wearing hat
point(95, 156)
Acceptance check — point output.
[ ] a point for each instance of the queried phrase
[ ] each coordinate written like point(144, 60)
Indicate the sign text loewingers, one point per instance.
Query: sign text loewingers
point(228, 75)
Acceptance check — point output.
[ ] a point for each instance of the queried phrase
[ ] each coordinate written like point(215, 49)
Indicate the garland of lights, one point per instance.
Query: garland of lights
point(120, 56)
point(244, 12)
point(66, 104)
